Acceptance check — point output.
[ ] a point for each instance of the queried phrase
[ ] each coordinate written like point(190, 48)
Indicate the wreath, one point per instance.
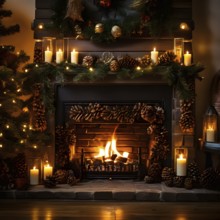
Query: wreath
point(109, 20)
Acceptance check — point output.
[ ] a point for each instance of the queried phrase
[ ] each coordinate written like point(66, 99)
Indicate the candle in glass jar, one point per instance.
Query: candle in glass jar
point(210, 134)
point(34, 176)
point(187, 59)
point(48, 55)
point(74, 56)
point(48, 170)
point(59, 56)
point(154, 56)
point(181, 166)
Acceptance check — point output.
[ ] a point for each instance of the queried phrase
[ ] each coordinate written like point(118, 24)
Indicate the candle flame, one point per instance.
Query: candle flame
point(181, 156)
point(154, 48)
point(34, 167)
point(48, 49)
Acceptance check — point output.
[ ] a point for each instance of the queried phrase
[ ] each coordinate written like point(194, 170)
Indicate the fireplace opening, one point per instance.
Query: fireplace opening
point(117, 130)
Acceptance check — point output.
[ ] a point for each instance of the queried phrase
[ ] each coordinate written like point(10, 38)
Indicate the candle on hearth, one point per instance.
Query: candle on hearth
point(74, 56)
point(48, 55)
point(154, 55)
point(34, 176)
point(48, 170)
point(210, 134)
point(187, 59)
point(181, 166)
point(59, 56)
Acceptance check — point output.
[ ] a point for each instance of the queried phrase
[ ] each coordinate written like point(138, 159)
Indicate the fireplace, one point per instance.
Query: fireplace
point(111, 135)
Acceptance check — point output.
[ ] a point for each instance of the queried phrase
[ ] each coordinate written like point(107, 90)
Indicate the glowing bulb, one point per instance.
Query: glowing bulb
point(18, 90)
point(1, 134)
point(91, 69)
point(5, 92)
point(184, 26)
point(30, 127)
point(25, 109)
point(7, 126)
point(21, 141)
point(0, 104)
point(12, 79)
point(36, 65)
point(26, 70)
point(24, 130)
point(1, 146)
point(13, 101)
point(40, 26)
point(67, 68)
point(138, 68)
point(24, 126)
point(35, 146)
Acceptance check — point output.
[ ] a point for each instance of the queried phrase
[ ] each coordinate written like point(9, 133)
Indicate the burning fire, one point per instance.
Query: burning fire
point(110, 152)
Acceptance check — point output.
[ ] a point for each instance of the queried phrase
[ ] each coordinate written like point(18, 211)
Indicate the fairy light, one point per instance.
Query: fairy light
point(67, 68)
point(36, 65)
point(91, 69)
point(21, 141)
point(24, 126)
point(25, 109)
point(5, 92)
point(138, 68)
point(1, 145)
point(184, 26)
point(35, 146)
point(0, 104)
point(1, 134)
point(26, 70)
point(12, 79)
point(14, 101)
point(40, 26)
point(30, 127)
point(7, 126)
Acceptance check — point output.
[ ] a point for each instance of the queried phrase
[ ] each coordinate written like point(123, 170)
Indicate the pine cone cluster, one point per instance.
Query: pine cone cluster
point(39, 119)
point(167, 173)
point(178, 181)
point(188, 183)
point(166, 58)
point(128, 62)
point(209, 178)
point(71, 179)
point(145, 61)
point(193, 172)
point(20, 166)
point(187, 120)
point(61, 176)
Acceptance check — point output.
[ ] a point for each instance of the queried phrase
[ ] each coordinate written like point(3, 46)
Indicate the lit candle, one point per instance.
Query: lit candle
point(210, 134)
point(59, 56)
point(48, 55)
point(154, 55)
point(181, 166)
point(187, 58)
point(48, 170)
point(74, 56)
point(34, 176)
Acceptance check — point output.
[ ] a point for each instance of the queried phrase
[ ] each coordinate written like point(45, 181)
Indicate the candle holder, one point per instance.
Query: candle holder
point(178, 49)
point(181, 155)
point(47, 170)
point(59, 50)
point(210, 127)
point(34, 171)
point(48, 49)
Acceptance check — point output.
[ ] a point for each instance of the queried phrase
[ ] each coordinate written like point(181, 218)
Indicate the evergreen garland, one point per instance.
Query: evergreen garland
point(135, 18)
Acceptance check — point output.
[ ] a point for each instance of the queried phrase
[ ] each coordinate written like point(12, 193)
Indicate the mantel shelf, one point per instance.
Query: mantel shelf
point(212, 147)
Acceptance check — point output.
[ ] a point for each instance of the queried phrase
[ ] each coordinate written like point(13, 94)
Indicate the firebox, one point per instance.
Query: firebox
point(113, 125)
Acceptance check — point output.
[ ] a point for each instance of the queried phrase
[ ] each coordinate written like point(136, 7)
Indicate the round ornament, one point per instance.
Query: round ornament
point(116, 31)
point(105, 3)
point(99, 28)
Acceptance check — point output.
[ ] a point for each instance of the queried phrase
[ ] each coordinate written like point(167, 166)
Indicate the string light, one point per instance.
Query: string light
point(25, 109)
point(30, 127)
point(184, 26)
point(35, 146)
point(138, 68)
point(91, 69)
point(14, 101)
point(1, 134)
point(12, 79)
point(40, 26)
point(0, 104)
point(67, 68)
point(26, 70)
point(24, 126)
point(7, 126)
point(5, 92)
point(21, 141)
point(36, 65)
point(1, 146)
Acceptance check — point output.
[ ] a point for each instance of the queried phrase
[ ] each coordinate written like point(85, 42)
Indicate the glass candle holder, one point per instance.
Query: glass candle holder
point(59, 50)
point(48, 48)
point(180, 160)
point(179, 49)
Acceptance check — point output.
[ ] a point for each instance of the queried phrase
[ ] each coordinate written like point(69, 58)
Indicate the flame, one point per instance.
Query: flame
point(181, 156)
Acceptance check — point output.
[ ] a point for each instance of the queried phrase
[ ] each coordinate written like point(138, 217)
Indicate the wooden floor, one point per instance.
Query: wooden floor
point(98, 210)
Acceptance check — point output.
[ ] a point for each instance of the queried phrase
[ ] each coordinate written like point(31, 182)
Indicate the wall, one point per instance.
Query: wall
point(206, 46)
point(23, 12)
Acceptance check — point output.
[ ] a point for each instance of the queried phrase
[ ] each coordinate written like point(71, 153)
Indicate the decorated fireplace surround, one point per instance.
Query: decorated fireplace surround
point(124, 95)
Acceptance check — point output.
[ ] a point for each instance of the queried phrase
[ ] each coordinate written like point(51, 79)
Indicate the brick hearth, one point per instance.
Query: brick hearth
point(119, 190)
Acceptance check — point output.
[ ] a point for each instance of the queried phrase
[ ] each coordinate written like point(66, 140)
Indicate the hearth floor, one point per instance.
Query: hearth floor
point(120, 190)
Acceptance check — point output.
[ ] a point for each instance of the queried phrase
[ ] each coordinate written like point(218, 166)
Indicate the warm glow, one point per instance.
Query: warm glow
point(91, 69)
point(35, 146)
point(181, 156)
point(1, 146)
point(125, 154)
point(154, 48)
point(34, 168)
point(25, 109)
point(13, 101)
point(210, 128)
point(138, 68)
point(21, 141)
point(184, 26)
point(67, 68)
point(7, 126)
point(40, 26)
point(26, 70)
point(1, 134)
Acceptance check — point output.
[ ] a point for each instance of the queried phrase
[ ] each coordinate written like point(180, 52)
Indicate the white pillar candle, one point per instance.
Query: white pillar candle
point(74, 56)
point(181, 166)
point(187, 59)
point(210, 135)
point(59, 56)
point(154, 56)
point(48, 55)
point(48, 170)
point(34, 176)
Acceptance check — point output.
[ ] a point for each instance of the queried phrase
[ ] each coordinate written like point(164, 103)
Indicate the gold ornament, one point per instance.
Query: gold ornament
point(99, 28)
point(74, 10)
point(116, 31)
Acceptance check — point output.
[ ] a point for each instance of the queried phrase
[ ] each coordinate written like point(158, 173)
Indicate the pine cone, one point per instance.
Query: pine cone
point(209, 178)
point(187, 121)
point(20, 165)
point(166, 58)
point(128, 62)
point(193, 170)
point(154, 172)
point(71, 180)
point(188, 183)
point(167, 173)
point(145, 61)
point(178, 181)
point(61, 176)
point(38, 54)
point(50, 182)
point(114, 65)
point(88, 61)
point(169, 182)
point(149, 179)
